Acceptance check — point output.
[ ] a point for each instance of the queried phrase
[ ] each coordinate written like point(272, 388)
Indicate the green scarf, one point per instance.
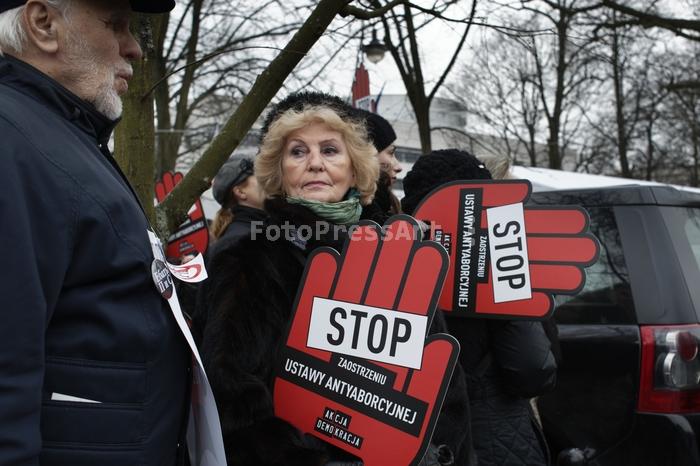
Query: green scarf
point(346, 212)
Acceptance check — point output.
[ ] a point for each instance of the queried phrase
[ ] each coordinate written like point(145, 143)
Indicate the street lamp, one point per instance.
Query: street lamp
point(374, 50)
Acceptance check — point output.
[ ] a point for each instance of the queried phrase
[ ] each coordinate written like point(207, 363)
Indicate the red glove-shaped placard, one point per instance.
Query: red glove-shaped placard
point(192, 236)
point(503, 265)
point(377, 298)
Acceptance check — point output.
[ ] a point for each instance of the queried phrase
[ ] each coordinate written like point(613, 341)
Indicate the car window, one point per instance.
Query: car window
point(606, 297)
point(683, 224)
point(692, 232)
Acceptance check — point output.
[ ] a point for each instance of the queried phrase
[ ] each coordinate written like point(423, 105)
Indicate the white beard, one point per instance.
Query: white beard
point(96, 83)
point(108, 102)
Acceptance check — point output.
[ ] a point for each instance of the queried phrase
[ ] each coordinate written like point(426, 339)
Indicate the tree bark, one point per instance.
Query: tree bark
point(135, 135)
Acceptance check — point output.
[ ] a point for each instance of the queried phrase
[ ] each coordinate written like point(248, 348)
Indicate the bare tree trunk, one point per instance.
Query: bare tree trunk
point(164, 142)
point(135, 135)
point(410, 69)
point(182, 110)
point(172, 211)
point(422, 112)
point(650, 150)
point(408, 62)
point(553, 147)
point(696, 154)
point(619, 106)
point(532, 145)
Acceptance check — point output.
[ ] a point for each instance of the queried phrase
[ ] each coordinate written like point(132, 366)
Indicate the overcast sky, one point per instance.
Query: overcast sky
point(437, 43)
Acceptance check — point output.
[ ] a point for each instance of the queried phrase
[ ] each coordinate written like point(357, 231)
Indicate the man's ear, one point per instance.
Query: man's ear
point(42, 24)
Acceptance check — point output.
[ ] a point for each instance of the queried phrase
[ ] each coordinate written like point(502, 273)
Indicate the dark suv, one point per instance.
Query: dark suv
point(628, 389)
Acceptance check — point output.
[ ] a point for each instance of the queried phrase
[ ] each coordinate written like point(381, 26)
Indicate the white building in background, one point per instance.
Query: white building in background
point(448, 118)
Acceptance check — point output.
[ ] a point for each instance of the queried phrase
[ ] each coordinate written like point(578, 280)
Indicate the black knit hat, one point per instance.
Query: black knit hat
point(299, 100)
point(438, 168)
point(142, 6)
point(379, 130)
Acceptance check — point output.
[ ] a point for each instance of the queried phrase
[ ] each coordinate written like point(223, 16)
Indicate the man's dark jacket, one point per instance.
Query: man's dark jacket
point(80, 314)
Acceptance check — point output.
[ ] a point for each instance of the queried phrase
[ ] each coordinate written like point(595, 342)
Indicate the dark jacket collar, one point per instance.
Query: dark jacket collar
point(30, 81)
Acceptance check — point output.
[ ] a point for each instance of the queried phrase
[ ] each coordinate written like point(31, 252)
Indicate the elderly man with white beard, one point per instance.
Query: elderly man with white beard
point(94, 369)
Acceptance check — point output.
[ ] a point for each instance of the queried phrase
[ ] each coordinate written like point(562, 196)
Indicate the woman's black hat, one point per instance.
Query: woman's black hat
point(235, 171)
point(298, 100)
point(437, 168)
point(379, 131)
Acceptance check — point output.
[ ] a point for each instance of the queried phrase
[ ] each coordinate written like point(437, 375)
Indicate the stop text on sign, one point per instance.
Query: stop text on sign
point(385, 335)
point(510, 268)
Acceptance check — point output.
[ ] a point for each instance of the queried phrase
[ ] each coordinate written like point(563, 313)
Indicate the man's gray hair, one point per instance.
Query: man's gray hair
point(12, 35)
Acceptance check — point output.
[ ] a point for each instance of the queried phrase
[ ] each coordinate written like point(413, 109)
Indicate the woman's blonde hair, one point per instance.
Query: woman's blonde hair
point(268, 163)
point(223, 218)
point(499, 167)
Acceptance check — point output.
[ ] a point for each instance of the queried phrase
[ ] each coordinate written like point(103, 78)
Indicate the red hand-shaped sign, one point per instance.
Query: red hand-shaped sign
point(357, 370)
point(192, 236)
point(506, 261)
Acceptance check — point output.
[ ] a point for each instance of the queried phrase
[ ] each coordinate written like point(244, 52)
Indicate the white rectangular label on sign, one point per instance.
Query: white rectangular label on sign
point(510, 267)
point(368, 332)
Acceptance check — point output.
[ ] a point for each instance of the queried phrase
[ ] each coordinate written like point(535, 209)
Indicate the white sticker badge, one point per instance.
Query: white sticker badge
point(193, 271)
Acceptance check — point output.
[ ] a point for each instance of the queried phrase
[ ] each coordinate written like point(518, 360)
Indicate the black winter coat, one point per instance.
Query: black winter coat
point(240, 227)
point(244, 218)
point(251, 294)
point(506, 363)
point(81, 318)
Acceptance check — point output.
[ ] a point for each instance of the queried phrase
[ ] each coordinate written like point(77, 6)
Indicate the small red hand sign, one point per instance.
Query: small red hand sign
point(506, 259)
point(192, 236)
point(357, 370)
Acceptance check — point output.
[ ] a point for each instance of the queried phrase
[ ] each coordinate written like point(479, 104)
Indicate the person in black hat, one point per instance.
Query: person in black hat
point(94, 368)
point(506, 362)
point(382, 135)
point(241, 199)
point(237, 190)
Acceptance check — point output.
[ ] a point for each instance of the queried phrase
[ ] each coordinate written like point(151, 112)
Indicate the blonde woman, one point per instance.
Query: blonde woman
point(317, 171)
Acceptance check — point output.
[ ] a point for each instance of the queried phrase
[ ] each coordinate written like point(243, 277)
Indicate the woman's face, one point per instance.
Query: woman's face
point(388, 162)
point(316, 164)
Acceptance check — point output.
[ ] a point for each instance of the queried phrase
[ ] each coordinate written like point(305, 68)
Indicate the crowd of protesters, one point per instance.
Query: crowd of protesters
point(93, 366)
point(318, 163)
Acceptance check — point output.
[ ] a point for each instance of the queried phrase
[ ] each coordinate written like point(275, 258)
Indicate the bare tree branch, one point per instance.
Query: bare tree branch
point(652, 19)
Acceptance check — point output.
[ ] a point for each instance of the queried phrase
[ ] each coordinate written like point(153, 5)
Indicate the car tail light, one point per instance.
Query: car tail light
point(670, 372)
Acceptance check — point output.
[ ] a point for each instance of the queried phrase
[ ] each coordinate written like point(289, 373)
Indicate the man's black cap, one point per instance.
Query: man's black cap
point(142, 6)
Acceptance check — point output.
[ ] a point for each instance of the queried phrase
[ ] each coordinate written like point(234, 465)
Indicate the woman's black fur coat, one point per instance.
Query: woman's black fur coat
point(242, 321)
